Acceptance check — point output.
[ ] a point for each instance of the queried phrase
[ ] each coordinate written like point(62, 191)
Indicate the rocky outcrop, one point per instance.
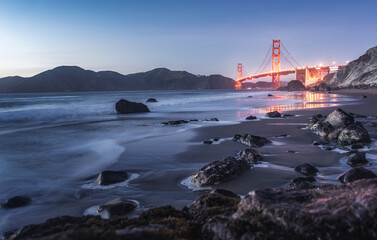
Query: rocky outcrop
point(355, 159)
point(302, 183)
point(152, 100)
point(175, 122)
point(117, 207)
point(306, 169)
point(252, 156)
point(251, 140)
point(355, 174)
point(361, 73)
point(15, 202)
point(340, 127)
point(112, 177)
point(347, 211)
point(251, 117)
point(274, 114)
point(125, 107)
point(218, 171)
point(294, 85)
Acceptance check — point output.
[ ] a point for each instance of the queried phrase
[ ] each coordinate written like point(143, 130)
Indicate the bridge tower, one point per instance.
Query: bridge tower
point(239, 76)
point(275, 63)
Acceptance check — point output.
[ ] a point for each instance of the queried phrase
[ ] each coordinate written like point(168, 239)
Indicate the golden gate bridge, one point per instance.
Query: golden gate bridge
point(307, 75)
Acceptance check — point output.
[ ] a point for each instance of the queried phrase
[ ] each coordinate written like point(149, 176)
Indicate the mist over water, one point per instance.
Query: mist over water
point(53, 145)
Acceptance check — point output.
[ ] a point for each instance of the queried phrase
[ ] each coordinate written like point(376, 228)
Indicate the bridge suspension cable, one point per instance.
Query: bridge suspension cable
point(287, 60)
point(265, 58)
point(290, 55)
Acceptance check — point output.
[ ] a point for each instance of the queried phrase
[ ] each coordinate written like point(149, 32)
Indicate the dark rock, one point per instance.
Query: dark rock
point(317, 118)
point(174, 122)
point(355, 174)
point(270, 95)
point(291, 151)
point(306, 169)
point(207, 142)
point(321, 128)
point(316, 143)
point(329, 148)
point(117, 207)
point(357, 146)
point(213, 120)
point(251, 156)
point(355, 159)
point(323, 87)
point(226, 193)
point(294, 85)
point(363, 96)
point(339, 118)
point(251, 140)
point(15, 202)
point(274, 114)
point(126, 107)
point(112, 177)
point(249, 96)
point(194, 120)
point(354, 133)
point(152, 100)
point(288, 115)
point(216, 139)
point(251, 118)
point(302, 183)
point(217, 172)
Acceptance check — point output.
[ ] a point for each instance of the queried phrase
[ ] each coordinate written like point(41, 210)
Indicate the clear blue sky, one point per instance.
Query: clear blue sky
point(202, 37)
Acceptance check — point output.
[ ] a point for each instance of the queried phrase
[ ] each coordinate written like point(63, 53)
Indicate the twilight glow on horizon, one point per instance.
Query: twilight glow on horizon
point(202, 37)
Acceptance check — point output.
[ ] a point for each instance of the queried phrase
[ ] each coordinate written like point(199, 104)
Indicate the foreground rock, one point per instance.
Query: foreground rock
point(294, 85)
point(274, 114)
point(356, 174)
point(126, 107)
point(340, 127)
point(355, 159)
point(117, 207)
point(251, 140)
point(251, 117)
point(151, 100)
point(15, 202)
point(306, 169)
point(112, 177)
point(346, 211)
point(217, 172)
point(302, 183)
point(251, 156)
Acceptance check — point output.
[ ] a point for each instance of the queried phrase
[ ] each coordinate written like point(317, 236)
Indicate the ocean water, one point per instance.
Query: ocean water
point(52, 145)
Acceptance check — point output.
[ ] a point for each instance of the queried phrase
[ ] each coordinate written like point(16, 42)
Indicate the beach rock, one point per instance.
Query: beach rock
point(15, 202)
point(249, 96)
point(216, 139)
point(317, 118)
point(207, 142)
point(126, 107)
point(339, 118)
point(251, 140)
point(112, 177)
point(355, 159)
point(194, 120)
point(270, 95)
point(363, 96)
point(174, 122)
point(291, 151)
point(288, 115)
point(357, 146)
point(306, 169)
point(251, 118)
point(333, 212)
point(302, 183)
point(117, 207)
point(355, 174)
point(321, 128)
point(274, 114)
point(218, 171)
point(212, 120)
point(354, 133)
point(251, 156)
point(152, 100)
point(294, 85)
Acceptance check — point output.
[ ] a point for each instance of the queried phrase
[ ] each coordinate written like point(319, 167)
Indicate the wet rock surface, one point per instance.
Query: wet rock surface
point(355, 174)
point(302, 183)
point(274, 114)
point(125, 107)
point(252, 156)
point(112, 177)
point(353, 134)
point(251, 140)
point(117, 207)
point(218, 171)
point(355, 158)
point(306, 169)
point(151, 100)
point(15, 202)
point(251, 117)
point(346, 211)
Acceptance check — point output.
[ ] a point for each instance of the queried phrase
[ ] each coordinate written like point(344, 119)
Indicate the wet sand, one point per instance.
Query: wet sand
point(278, 169)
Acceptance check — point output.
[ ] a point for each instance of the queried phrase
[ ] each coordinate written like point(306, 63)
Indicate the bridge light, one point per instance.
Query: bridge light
point(320, 64)
point(334, 63)
point(347, 62)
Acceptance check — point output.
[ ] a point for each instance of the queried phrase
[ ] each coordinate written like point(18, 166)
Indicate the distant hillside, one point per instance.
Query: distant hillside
point(260, 84)
point(76, 79)
point(361, 73)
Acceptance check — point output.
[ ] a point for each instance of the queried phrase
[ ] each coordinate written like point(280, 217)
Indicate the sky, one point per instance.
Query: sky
point(199, 36)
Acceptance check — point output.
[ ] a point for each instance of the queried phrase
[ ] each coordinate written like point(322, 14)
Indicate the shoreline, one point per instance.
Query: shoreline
point(280, 172)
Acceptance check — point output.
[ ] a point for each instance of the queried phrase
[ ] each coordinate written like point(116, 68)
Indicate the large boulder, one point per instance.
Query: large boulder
point(151, 100)
point(15, 202)
point(355, 174)
point(306, 169)
point(218, 171)
point(251, 156)
point(125, 107)
point(112, 177)
point(117, 207)
point(274, 114)
point(302, 183)
point(339, 118)
point(294, 85)
point(251, 140)
point(354, 133)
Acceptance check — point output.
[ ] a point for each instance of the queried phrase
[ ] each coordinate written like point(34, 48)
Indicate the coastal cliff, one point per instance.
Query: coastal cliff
point(76, 79)
point(360, 73)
